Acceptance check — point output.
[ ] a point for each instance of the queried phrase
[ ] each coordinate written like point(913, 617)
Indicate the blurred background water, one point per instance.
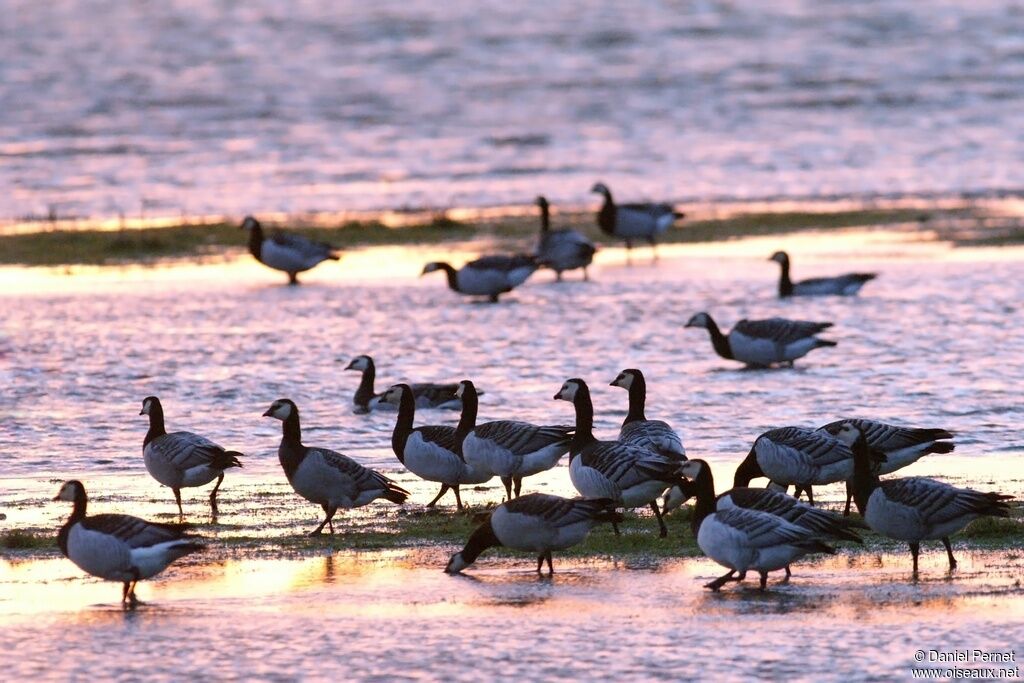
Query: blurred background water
point(224, 107)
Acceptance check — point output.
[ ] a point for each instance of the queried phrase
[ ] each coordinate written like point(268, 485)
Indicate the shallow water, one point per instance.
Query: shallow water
point(929, 342)
point(164, 109)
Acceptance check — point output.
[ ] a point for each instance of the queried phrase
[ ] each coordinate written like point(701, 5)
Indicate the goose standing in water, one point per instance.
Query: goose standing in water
point(914, 509)
point(510, 449)
point(284, 251)
point(431, 452)
point(629, 475)
point(762, 343)
point(654, 435)
point(488, 276)
point(119, 547)
point(427, 395)
point(632, 222)
point(797, 456)
point(182, 459)
point(329, 479)
point(826, 525)
point(538, 523)
point(743, 538)
point(562, 249)
point(901, 446)
point(841, 285)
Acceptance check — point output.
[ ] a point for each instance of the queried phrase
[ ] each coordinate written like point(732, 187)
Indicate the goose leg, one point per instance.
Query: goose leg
point(124, 592)
point(789, 573)
point(177, 499)
point(493, 298)
point(615, 528)
point(586, 277)
point(540, 563)
point(551, 570)
point(213, 494)
point(327, 520)
point(949, 552)
point(293, 278)
point(764, 581)
point(849, 499)
point(518, 481)
point(915, 549)
point(629, 252)
point(654, 248)
point(558, 276)
point(458, 498)
point(722, 580)
point(810, 495)
point(797, 491)
point(507, 481)
point(662, 529)
point(444, 490)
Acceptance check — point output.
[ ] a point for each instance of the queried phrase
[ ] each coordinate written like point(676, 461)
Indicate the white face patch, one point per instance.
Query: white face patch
point(66, 493)
point(360, 363)
point(146, 406)
point(690, 469)
point(281, 411)
point(456, 564)
point(568, 391)
point(461, 390)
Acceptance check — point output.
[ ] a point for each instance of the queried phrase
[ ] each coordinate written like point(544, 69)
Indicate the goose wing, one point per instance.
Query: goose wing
point(501, 262)
point(627, 465)
point(440, 435)
point(779, 330)
point(888, 438)
point(788, 508)
point(434, 394)
point(937, 502)
point(134, 532)
point(559, 511)
point(796, 455)
point(302, 245)
point(522, 438)
point(185, 450)
point(763, 530)
point(654, 435)
point(363, 478)
point(642, 220)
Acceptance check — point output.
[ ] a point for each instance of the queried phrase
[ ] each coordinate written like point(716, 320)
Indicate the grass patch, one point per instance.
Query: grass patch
point(995, 529)
point(18, 539)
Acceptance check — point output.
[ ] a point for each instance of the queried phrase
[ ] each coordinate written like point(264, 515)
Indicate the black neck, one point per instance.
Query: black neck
point(156, 422)
point(77, 515)
point(545, 218)
point(584, 419)
point(470, 406)
point(785, 284)
point(704, 487)
point(403, 426)
point(364, 393)
point(453, 280)
point(749, 469)
point(637, 400)
point(291, 452)
point(256, 240)
point(865, 480)
point(606, 216)
point(719, 341)
point(480, 540)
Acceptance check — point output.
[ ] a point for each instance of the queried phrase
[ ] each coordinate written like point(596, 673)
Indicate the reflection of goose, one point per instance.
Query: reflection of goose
point(285, 251)
point(742, 538)
point(760, 343)
point(902, 446)
point(182, 459)
point(329, 479)
point(914, 509)
point(630, 475)
point(842, 285)
point(654, 435)
point(487, 276)
point(431, 452)
point(825, 524)
point(428, 395)
point(631, 222)
point(562, 249)
point(119, 547)
point(536, 522)
point(508, 448)
point(797, 456)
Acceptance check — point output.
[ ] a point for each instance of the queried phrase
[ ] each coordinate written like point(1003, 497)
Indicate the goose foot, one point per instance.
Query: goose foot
point(785, 580)
point(717, 584)
point(949, 553)
point(764, 581)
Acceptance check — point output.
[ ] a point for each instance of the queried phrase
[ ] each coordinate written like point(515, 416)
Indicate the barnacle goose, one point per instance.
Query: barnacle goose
point(841, 285)
point(329, 479)
point(743, 538)
point(427, 395)
point(631, 222)
point(430, 451)
point(285, 251)
point(914, 509)
point(630, 475)
point(797, 456)
point(512, 450)
point(902, 446)
point(761, 343)
point(119, 547)
point(538, 523)
point(654, 435)
point(562, 249)
point(825, 524)
point(488, 276)
point(182, 459)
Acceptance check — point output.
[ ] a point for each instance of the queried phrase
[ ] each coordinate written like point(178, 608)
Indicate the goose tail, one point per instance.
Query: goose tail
point(227, 459)
point(822, 343)
point(395, 493)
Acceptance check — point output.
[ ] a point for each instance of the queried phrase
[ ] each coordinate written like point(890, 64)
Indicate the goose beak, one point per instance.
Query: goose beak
point(267, 412)
point(557, 396)
point(351, 365)
point(142, 412)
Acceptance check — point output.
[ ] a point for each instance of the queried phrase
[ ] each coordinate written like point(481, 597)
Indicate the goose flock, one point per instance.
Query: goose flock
point(744, 529)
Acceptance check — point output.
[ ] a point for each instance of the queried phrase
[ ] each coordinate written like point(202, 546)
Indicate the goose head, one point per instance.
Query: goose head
point(456, 564)
point(71, 491)
point(852, 436)
point(700, 320)
point(465, 387)
point(625, 379)
point(250, 223)
point(780, 257)
point(432, 267)
point(691, 469)
point(600, 188)
point(541, 201)
point(149, 404)
point(570, 389)
point(360, 363)
point(281, 409)
point(393, 394)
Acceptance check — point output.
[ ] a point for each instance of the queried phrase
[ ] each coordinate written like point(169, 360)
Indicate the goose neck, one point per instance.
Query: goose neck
point(480, 540)
point(403, 425)
point(545, 218)
point(704, 487)
point(749, 469)
point(156, 423)
point(291, 429)
point(256, 240)
point(865, 478)
point(719, 341)
point(637, 400)
point(785, 284)
point(467, 421)
point(584, 419)
point(364, 392)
